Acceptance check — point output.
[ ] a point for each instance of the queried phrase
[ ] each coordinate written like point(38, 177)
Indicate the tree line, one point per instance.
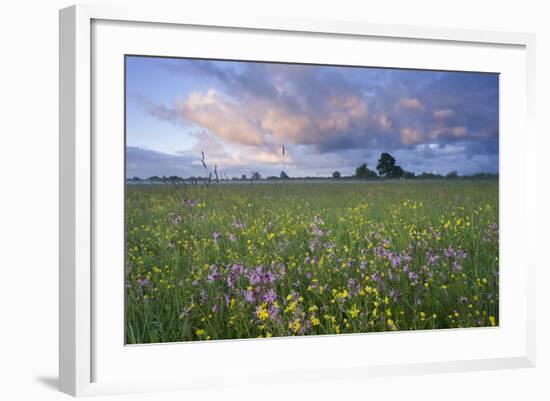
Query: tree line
point(386, 168)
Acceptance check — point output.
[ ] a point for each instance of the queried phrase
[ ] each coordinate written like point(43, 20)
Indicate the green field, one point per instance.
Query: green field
point(241, 260)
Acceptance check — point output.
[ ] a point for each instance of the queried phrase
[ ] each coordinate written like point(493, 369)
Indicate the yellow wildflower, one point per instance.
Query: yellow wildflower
point(354, 311)
point(261, 312)
point(294, 325)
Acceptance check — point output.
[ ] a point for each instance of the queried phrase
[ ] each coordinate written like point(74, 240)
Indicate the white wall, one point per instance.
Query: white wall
point(28, 195)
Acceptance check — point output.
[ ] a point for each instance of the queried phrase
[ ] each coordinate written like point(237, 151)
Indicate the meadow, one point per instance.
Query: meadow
point(243, 260)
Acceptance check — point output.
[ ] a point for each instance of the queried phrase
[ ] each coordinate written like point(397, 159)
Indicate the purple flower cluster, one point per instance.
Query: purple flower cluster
point(455, 256)
point(318, 234)
point(255, 285)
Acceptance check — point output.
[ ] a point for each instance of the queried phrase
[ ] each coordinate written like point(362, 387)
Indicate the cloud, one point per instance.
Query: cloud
point(410, 103)
point(456, 132)
point(274, 122)
point(410, 136)
point(159, 111)
point(221, 116)
point(444, 113)
point(145, 163)
point(286, 126)
point(206, 142)
point(384, 122)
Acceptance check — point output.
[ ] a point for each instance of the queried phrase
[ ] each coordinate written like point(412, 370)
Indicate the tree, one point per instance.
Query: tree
point(256, 175)
point(387, 168)
point(409, 175)
point(243, 177)
point(173, 178)
point(396, 172)
point(429, 176)
point(284, 176)
point(483, 176)
point(386, 164)
point(452, 175)
point(336, 174)
point(361, 171)
point(364, 172)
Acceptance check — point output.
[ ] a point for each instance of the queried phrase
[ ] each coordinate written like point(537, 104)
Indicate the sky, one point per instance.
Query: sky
point(328, 118)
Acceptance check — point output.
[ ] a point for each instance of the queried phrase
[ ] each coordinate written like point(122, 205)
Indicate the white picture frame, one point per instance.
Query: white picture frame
point(79, 317)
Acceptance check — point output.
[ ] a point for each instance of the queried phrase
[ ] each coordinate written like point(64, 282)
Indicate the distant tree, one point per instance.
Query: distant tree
point(272, 177)
point(482, 176)
point(409, 175)
point(386, 164)
point(154, 178)
point(172, 178)
point(397, 172)
point(430, 176)
point(336, 174)
point(135, 179)
point(452, 175)
point(256, 176)
point(361, 171)
point(243, 177)
point(364, 172)
point(284, 176)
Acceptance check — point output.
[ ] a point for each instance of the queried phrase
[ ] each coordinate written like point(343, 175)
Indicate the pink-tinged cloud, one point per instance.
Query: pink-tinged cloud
point(352, 105)
point(459, 132)
point(410, 103)
point(410, 136)
point(343, 113)
point(264, 122)
point(456, 132)
point(220, 116)
point(227, 155)
point(444, 113)
point(285, 126)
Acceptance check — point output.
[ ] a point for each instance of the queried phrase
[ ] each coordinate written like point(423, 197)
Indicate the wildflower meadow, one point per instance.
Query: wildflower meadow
point(248, 260)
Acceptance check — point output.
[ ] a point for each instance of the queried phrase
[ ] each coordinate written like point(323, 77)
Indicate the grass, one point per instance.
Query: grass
point(244, 261)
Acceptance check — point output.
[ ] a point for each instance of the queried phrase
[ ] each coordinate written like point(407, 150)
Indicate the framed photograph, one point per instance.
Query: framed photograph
point(264, 200)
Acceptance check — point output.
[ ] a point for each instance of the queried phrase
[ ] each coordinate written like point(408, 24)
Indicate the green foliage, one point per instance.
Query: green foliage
point(385, 165)
point(364, 172)
point(452, 175)
point(387, 168)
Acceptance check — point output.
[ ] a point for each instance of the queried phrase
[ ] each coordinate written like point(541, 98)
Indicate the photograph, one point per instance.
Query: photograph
point(273, 199)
